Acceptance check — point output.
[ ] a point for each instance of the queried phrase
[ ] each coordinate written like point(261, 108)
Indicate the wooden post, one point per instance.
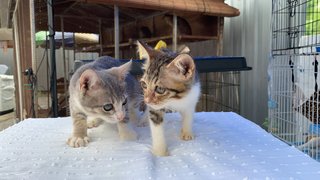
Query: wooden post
point(33, 57)
point(64, 61)
point(100, 37)
point(220, 36)
point(32, 35)
point(23, 19)
point(116, 32)
point(175, 33)
point(18, 65)
point(74, 46)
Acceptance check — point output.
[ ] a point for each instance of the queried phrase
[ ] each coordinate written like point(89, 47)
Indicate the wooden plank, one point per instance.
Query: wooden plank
point(7, 116)
point(116, 32)
point(33, 52)
point(175, 33)
point(7, 120)
point(17, 69)
point(220, 36)
point(27, 57)
point(168, 39)
point(23, 56)
point(208, 7)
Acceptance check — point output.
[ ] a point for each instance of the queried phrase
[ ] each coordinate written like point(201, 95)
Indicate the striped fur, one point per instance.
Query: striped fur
point(170, 81)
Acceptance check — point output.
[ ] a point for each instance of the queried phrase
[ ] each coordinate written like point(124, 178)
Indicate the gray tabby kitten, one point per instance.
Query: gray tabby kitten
point(170, 81)
point(103, 91)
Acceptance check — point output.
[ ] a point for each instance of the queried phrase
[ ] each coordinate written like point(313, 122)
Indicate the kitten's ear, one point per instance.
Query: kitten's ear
point(89, 80)
point(121, 71)
point(182, 67)
point(183, 49)
point(144, 50)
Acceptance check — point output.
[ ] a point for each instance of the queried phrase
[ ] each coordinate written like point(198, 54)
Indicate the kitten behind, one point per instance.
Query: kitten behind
point(103, 91)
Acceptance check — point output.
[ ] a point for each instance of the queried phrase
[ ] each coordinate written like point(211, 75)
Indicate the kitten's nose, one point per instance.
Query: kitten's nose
point(147, 100)
point(120, 116)
point(148, 97)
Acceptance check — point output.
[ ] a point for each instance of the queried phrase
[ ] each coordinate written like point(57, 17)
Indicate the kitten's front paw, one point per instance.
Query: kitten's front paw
point(187, 136)
point(93, 123)
point(128, 135)
point(160, 152)
point(78, 141)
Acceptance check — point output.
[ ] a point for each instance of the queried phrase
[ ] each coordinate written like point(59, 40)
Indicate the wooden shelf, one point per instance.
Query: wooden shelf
point(167, 39)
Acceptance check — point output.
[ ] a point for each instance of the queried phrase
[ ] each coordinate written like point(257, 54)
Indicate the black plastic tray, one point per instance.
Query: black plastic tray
point(206, 64)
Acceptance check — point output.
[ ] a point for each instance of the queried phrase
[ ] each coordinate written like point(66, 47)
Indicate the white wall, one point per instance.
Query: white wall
point(249, 35)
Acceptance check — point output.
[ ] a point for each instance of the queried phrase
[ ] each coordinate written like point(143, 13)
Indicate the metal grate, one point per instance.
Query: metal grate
point(220, 92)
point(294, 91)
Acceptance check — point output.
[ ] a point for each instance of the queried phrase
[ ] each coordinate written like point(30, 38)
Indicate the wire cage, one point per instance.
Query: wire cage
point(220, 92)
point(294, 91)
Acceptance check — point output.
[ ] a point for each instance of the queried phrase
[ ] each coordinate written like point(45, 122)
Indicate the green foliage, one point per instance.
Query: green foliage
point(265, 123)
point(313, 17)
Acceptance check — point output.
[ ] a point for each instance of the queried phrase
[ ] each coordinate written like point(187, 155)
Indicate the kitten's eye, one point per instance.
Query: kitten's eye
point(160, 90)
point(108, 107)
point(143, 84)
point(125, 102)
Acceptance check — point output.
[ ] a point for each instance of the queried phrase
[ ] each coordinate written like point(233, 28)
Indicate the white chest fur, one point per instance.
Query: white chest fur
point(188, 101)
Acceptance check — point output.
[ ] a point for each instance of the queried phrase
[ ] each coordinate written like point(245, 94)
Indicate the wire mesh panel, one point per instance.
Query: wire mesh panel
point(220, 92)
point(294, 92)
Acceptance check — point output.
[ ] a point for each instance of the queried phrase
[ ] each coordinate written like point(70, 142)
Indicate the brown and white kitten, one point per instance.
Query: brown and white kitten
point(170, 81)
point(103, 91)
